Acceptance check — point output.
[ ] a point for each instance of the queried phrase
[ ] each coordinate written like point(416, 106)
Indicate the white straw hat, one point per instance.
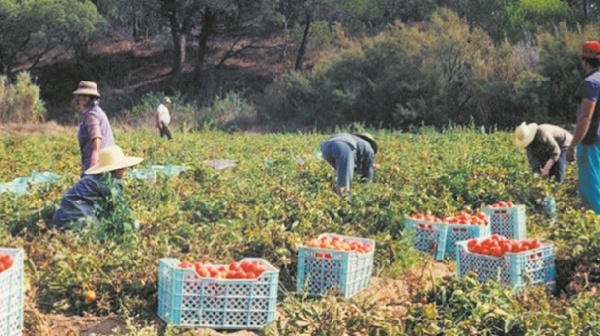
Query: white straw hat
point(524, 134)
point(112, 158)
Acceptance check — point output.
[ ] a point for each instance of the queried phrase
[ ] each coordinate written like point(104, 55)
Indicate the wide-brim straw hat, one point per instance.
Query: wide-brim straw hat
point(87, 88)
point(369, 138)
point(112, 158)
point(524, 134)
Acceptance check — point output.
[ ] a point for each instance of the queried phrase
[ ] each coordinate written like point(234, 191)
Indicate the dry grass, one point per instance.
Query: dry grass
point(50, 127)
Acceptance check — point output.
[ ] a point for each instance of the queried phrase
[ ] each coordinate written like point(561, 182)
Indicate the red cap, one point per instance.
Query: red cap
point(590, 49)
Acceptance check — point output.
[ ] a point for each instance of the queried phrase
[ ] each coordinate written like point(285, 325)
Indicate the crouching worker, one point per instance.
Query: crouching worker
point(546, 148)
point(97, 194)
point(348, 153)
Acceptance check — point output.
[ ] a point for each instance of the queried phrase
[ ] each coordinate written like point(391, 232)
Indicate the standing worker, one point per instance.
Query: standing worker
point(163, 118)
point(587, 131)
point(546, 148)
point(94, 132)
point(349, 152)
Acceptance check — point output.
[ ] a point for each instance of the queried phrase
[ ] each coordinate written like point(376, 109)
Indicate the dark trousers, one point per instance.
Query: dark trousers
point(559, 168)
point(164, 131)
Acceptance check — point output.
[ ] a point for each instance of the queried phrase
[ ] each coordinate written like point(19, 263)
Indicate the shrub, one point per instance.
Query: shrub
point(226, 113)
point(20, 101)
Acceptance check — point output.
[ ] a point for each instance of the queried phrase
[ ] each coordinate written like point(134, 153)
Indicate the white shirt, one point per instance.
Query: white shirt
point(163, 114)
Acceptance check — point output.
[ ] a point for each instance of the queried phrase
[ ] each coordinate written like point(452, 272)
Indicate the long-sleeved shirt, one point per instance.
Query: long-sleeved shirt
point(94, 124)
point(549, 142)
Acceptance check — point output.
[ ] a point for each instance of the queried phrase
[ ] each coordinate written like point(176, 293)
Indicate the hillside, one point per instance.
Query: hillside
point(126, 70)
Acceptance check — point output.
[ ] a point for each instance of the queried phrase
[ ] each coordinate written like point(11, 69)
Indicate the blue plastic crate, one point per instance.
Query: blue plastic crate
point(187, 300)
point(334, 272)
point(513, 269)
point(12, 294)
point(454, 233)
point(509, 222)
point(425, 235)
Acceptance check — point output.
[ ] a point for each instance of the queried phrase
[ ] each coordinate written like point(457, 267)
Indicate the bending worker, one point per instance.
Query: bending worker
point(546, 147)
point(348, 153)
point(98, 193)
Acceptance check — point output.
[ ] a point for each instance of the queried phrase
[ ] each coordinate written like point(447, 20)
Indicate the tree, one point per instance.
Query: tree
point(29, 29)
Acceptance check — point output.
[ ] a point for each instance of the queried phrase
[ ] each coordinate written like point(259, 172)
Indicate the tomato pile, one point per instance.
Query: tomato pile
point(479, 218)
point(6, 261)
point(497, 245)
point(246, 269)
point(502, 204)
point(425, 217)
point(339, 243)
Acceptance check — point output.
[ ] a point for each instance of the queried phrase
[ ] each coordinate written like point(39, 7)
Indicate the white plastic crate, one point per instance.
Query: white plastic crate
point(12, 294)
point(454, 233)
point(534, 266)
point(509, 222)
point(334, 272)
point(425, 235)
point(187, 300)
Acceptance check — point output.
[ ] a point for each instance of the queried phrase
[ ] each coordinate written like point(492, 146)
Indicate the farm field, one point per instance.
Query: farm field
point(278, 196)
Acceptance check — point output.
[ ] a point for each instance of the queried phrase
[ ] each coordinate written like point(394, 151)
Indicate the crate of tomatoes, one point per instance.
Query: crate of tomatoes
point(439, 236)
point(425, 231)
point(12, 291)
point(507, 219)
point(512, 262)
point(335, 265)
point(238, 295)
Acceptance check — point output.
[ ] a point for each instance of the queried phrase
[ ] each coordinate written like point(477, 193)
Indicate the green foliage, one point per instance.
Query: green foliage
point(37, 27)
point(269, 204)
point(227, 112)
point(20, 101)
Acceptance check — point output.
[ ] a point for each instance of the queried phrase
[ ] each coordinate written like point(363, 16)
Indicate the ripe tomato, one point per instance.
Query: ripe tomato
point(234, 266)
point(185, 264)
point(89, 296)
point(203, 272)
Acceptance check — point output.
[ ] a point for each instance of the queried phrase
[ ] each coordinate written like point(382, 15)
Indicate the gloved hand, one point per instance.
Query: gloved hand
point(547, 167)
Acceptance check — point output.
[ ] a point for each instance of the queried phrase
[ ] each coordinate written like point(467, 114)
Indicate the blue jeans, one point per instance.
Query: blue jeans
point(588, 184)
point(340, 156)
point(559, 168)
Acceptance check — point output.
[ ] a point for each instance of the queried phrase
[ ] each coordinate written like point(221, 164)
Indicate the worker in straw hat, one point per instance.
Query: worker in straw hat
point(546, 147)
point(347, 153)
point(586, 137)
point(96, 194)
point(94, 130)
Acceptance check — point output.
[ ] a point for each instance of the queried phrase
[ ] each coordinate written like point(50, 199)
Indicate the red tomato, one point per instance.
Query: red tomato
point(185, 264)
point(250, 275)
point(203, 272)
point(234, 266)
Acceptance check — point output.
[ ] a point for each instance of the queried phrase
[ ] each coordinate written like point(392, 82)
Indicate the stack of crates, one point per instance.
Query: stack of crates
point(516, 270)
point(334, 272)
point(12, 294)
point(187, 300)
point(507, 221)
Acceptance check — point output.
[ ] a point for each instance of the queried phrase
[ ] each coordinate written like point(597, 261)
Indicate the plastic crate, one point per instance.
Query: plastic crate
point(514, 269)
point(453, 233)
point(334, 272)
point(187, 300)
point(509, 222)
point(426, 235)
point(12, 294)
